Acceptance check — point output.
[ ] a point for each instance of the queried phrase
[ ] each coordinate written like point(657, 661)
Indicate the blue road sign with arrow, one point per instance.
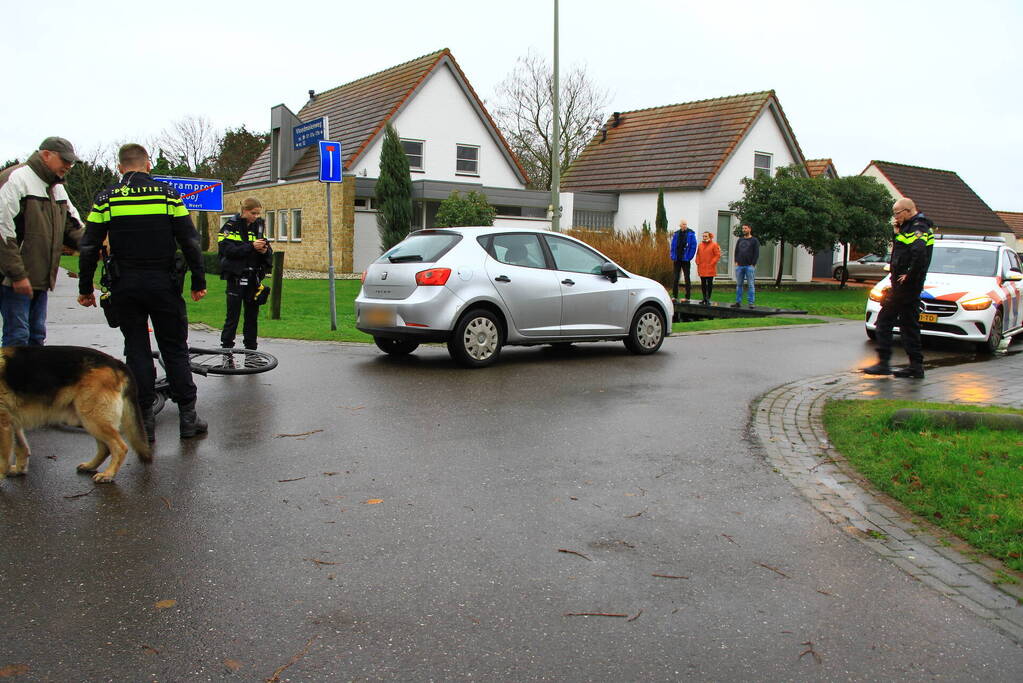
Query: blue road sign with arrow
point(330, 161)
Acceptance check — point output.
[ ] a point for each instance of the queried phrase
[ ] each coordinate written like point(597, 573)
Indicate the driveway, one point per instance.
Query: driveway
point(353, 516)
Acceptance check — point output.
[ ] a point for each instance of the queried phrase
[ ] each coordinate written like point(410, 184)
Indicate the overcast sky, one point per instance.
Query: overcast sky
point(931, 83)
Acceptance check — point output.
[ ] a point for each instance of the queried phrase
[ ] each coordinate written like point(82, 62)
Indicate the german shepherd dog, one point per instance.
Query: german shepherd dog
point(41, 385)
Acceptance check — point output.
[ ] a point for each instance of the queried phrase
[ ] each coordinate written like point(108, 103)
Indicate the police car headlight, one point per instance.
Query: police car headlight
point(978, 304)
point(877, 293)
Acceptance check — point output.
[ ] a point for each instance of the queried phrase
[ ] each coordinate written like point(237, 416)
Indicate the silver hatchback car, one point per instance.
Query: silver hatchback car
point(478, 289)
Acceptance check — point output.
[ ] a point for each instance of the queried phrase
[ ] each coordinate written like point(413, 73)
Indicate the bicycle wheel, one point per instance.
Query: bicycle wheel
point(230, 361)
point(160, 401)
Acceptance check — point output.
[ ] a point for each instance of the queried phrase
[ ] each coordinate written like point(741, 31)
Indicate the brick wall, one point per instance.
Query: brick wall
point(311, 197)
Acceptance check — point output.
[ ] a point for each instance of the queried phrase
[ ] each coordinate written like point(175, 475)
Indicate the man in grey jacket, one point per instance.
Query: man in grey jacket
point(36, 221)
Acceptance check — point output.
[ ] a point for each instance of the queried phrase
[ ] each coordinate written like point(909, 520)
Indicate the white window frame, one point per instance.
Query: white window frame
point(458, 158)
point(282, 225)
point(224, 218)
point(421, 168)
point(270, 219)
point(296, 213)
point(770, 164)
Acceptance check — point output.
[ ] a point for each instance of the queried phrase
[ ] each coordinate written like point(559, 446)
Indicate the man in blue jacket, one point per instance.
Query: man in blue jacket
point(683, 249)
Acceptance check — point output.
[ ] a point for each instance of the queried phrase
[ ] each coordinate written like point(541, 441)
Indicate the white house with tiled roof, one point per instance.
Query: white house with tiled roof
point(698, 153)
point(449, 138)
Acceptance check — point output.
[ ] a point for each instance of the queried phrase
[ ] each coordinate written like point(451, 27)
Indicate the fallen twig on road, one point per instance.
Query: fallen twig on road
point(572, 552)
point(79, 495)
point(284, 481)
point(810, 651)
point(277, 674)
point(635, 616)
point(319, 562)
point(595, 614)
point(773, 569)
point(669, 576)
point(281, 436)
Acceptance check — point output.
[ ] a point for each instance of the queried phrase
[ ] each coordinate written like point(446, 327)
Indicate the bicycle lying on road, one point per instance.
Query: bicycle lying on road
point(215, 362)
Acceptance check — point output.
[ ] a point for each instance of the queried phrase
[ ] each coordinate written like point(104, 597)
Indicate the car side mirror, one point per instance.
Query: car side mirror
point(610, 271)
point(1014, 276)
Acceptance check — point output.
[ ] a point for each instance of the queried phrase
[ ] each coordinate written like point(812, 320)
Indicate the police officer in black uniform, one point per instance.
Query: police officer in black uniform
point(146, 221)
point(911, 257)
point(245, 259)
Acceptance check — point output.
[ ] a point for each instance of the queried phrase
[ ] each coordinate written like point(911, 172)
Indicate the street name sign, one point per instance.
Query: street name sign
point(309, 133)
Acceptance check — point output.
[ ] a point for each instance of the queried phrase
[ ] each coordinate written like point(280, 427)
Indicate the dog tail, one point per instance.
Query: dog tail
point(131, 420)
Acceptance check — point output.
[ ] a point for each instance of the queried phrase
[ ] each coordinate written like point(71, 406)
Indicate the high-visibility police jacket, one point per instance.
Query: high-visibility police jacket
point(237, 255)
point(145, 221)
point(911, 255)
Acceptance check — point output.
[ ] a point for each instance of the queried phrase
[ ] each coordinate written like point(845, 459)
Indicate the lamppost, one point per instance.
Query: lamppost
point(556, 146)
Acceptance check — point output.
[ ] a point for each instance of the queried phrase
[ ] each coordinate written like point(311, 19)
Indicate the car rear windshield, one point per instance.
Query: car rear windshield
point(964, 261)
point(424, 247)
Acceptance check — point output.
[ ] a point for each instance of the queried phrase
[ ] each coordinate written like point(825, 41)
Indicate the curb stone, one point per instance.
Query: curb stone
point(786, 427)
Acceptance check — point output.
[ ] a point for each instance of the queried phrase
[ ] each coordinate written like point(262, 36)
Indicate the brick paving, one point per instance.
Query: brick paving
point(787, 423)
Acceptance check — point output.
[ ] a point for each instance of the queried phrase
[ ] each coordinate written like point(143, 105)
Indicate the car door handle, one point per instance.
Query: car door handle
point(502, 278)
point(568, 282)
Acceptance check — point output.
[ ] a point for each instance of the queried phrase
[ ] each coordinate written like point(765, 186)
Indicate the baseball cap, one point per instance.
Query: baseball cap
point(61, 146)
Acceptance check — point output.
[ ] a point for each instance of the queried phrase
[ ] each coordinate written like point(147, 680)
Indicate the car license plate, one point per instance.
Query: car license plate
point(928, 317)
point(378, 316)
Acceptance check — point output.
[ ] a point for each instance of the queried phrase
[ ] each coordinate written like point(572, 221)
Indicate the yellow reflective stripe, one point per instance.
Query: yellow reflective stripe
point(139, 210)
point(139, 198)
point(906, 239)
point(178, 211)
point(233, 236)
point(99, 216)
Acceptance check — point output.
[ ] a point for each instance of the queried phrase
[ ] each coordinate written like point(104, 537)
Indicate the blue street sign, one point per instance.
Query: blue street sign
point(310, 132)
point(197, 194)
point(330, 161)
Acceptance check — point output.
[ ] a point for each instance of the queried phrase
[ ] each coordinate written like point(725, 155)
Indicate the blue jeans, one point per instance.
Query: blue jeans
point(24, 317)
point(745, 273)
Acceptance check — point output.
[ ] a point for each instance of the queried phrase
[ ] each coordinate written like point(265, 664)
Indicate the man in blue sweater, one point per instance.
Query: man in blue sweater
point(683, 248)
point(747, 253)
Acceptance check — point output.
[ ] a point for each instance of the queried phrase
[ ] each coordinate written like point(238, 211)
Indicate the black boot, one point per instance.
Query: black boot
point(881, 367)
point(149, 423)
point(913, 370)
point(190, 423)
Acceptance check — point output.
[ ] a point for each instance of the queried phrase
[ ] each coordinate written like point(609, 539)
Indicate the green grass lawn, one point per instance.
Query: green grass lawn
point(739, 323)
point(967, 482)
point(305, 308)
point(824, 300)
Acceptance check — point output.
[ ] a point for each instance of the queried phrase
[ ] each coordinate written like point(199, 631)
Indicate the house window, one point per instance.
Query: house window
point(365, 203)
point(224, 218)
point(761, 165)
point(268, 218)
point(296, 225)
point(282, 225)
point(467, 159)
point(414, 152)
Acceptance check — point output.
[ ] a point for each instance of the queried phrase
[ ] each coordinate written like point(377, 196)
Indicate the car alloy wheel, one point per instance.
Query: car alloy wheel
point(839, 272)
point(994, 338)
point(476, 341)
point(647, 331)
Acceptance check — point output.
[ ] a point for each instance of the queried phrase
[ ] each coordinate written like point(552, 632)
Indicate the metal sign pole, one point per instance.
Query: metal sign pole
point(330, 261)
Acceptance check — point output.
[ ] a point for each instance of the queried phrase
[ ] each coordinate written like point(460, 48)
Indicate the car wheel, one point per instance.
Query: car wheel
point(646, 332)
point(839, 272)
point(871, 335)
point(396, 347)
point(476, 340)
point(994, 338)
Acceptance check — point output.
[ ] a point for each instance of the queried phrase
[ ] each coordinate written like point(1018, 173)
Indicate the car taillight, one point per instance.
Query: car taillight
point(877, 293)
point(978, 304)
point(362, 278)
point(434, 276)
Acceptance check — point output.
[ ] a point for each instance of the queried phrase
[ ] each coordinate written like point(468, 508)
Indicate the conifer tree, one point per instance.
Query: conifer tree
point(661, 222)
point(393, 192)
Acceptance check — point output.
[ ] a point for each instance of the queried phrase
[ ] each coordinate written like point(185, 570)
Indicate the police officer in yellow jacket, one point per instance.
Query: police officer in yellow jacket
point(911, 257)
point(146, 221)
point(245, 259)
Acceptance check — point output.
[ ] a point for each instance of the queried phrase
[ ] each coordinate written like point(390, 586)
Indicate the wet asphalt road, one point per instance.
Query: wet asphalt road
point(274, 558)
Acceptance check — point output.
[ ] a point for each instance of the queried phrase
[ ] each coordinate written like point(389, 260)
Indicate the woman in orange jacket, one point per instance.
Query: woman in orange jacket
point(708, 253)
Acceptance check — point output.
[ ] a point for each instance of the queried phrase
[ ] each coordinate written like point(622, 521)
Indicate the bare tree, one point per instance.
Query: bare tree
point(192, 141)
point(525, 114)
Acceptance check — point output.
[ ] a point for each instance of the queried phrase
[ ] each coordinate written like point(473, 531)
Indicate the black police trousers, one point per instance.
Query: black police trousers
point(238, 298)
point(902, 309)
point(683, 268)
point(143, 295)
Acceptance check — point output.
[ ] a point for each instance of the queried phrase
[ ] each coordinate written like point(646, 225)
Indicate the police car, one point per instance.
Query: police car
point(973, 292)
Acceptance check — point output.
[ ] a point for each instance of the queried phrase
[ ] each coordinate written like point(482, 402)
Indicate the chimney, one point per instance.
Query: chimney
point(312, 94)
point(618, 119)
